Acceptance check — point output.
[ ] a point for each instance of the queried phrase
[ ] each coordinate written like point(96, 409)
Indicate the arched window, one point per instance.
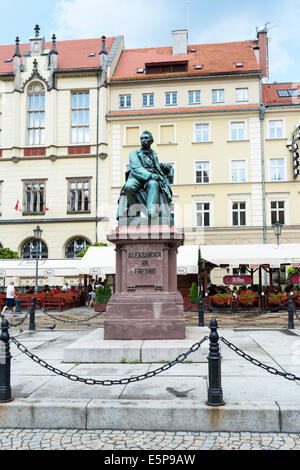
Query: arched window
point(29, 249)
point(75, 246)
point(36, 114)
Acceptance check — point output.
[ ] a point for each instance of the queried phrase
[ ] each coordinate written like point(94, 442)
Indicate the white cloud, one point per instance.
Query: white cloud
point(141, 22)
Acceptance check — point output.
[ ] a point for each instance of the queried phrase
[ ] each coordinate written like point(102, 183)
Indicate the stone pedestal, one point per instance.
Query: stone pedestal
point(146, 304)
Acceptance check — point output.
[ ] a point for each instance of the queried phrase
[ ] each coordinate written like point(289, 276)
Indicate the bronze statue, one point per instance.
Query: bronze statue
point(147, 189)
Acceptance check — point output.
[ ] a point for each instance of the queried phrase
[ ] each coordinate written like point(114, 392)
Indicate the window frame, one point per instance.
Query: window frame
point(208, 162)
point(283, 128)
point(171, 94)
point(272, 159)
point(84, 127)
point(83, 181)
point(230, 137)
point(127, 99)
point(40, 129)
point(217, 90)
point(148, 104)
point(193, 93)
point(241, 99)
point(245, 161)
point(195, 141)
point(32, 182)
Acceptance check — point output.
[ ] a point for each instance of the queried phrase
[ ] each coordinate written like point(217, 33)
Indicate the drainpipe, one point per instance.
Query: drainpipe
point(262, 146)
point(97, 153)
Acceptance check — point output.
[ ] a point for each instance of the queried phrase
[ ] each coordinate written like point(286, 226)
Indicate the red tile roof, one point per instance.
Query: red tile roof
point(214, 58)
point(271, 97)
point(72, 54)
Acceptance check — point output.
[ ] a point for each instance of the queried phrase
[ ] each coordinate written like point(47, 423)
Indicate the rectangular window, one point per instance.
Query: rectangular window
point(79, 195)
point(277, 212)
point(167, 134)
point(148, 99)
point(241, 94)
point(218, 96)
point(36, 119)
point(125, 101)
point(171, 98)
point(202, 172)
point(239, 213)
point(277, 169)
point(237, 131)
point(201, 133)
point(34, 197)
point(203, 214)
point(275, 128)
point(194, 97)
point(238, 171)
point(80, 118)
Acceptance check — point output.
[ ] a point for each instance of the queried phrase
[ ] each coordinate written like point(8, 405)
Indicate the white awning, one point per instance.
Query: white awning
point(46, 268)
point(99, 260)
point(226, 255)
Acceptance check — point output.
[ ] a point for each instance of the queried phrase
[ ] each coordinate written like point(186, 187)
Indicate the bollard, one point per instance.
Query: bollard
point(200, 312)
point(215, 393)
point(32, 315)
point(291, 325)
point(5, 358)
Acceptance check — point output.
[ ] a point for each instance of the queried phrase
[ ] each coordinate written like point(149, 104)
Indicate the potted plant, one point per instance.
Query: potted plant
point(247, 298)
point(194, 297)
point(103, 295)
point(222, 300)
point(277, 299)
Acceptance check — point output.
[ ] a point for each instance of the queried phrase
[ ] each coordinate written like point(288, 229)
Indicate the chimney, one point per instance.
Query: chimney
point(180, 42)
point(263, 46)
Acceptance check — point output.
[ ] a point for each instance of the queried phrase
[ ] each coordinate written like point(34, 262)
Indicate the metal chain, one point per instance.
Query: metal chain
point(107, 382)
point(19, 323)
point(269, 369)
point(74, 322)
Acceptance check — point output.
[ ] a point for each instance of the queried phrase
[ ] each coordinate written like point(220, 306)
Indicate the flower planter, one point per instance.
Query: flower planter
point(100, 307)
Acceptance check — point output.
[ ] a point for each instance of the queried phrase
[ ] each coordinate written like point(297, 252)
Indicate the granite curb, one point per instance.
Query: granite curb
point(150, 415)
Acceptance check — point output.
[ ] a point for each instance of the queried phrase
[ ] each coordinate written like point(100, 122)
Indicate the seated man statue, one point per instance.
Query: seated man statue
point(147, 189)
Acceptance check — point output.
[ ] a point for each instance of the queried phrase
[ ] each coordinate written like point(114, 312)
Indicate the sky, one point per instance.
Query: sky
point(148, 23)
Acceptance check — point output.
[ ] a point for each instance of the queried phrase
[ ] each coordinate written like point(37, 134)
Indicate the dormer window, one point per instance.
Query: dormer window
point(166, 67)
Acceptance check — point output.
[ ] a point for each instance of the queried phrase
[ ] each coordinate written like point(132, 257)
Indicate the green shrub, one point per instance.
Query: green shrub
point(103, 294)
point(194, 297)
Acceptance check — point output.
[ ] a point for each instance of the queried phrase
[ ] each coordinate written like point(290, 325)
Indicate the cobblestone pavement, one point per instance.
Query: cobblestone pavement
point(64, 439)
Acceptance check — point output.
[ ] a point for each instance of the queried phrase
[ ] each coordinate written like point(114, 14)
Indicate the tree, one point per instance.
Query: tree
point(83, 252)
point(7, 253)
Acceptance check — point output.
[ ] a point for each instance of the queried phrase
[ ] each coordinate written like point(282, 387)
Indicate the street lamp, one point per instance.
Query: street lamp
point(277, 230)
point(37, 236)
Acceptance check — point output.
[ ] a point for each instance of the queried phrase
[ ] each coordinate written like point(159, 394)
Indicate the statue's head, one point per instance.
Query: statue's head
point(146, 139)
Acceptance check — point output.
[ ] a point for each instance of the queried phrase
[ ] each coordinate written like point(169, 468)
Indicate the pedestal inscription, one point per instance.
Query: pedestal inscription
point(146, 304)
point(145, 268)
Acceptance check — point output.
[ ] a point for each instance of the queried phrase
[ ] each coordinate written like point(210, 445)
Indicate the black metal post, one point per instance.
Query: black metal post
point(5, 359)
point(291, 325)
point(32, 315)
point(215, 392)
point(200, 311)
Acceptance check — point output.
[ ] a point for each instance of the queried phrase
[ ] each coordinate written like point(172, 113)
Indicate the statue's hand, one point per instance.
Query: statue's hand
point(156, 177)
